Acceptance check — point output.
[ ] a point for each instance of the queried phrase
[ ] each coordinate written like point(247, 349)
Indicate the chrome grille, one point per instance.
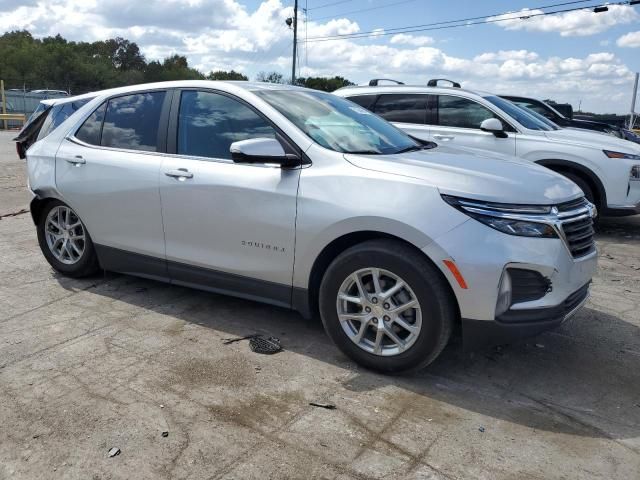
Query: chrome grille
point(577, 226)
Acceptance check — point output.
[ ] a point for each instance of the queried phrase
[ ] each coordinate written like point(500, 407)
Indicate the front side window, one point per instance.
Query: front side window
point(338, 124)
point(461, 112)
point(208, 123)
point(132, 121)
point(90, 130)
point(404, 108)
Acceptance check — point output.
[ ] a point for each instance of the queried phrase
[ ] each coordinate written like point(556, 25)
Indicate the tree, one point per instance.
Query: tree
point(323, 83)
point(224, 75)
point(270, 77)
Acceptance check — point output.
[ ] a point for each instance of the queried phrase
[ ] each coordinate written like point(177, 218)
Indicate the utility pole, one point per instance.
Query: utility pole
point(632, 114)
point(295, 42)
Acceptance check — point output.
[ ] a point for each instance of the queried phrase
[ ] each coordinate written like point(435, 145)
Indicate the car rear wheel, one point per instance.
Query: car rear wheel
point(65, 242)
point(386, 306)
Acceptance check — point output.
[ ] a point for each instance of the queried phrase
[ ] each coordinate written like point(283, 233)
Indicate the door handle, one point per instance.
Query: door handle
point(180, 174)
point(439, 136)
point(77, 160)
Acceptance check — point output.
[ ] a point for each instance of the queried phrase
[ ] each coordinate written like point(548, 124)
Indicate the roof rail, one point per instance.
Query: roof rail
point(374, 82)
point(434, 82)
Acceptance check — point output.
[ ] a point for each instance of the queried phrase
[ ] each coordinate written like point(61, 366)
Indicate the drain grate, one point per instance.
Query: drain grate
point(267, 346)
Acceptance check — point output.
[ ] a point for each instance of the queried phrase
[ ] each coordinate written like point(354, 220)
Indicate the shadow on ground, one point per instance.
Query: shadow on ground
point(583, 379)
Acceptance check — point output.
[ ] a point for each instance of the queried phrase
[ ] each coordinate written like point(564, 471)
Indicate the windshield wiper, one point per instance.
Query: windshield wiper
point(364, 152)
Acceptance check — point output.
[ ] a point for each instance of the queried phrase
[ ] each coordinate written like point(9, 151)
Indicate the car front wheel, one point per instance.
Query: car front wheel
point(386, 306)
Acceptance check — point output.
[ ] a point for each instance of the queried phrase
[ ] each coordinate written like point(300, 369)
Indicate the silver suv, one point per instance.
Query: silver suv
point(308, 201)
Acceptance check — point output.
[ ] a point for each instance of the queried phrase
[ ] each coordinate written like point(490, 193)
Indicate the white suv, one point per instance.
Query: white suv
point(305, 200)
point(606, 168)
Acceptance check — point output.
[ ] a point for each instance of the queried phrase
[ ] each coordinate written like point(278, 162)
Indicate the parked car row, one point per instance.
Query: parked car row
point(306, 200)
point(606, 168)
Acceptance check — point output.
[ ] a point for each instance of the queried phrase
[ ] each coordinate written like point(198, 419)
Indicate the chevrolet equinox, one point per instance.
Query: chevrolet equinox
point(305, 200)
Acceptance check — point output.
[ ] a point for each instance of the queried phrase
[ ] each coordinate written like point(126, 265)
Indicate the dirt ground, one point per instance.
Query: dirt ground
point(115, 361)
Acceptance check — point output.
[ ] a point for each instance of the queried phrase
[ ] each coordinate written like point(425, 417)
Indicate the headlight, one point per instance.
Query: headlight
point(629, 156)
point(506, 218)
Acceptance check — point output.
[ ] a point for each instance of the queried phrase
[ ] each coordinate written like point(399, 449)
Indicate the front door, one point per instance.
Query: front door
point(457, 123)
point(228, 227)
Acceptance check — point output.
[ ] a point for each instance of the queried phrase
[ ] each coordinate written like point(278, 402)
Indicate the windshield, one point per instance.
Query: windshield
point(338, 124)
point(522, 116)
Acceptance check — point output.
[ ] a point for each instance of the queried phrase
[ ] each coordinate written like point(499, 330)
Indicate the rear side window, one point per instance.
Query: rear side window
point(365, 101)
point(208, 123)
point(409, 108)
point(89, 132)
point(461, 112)
point(132, 121)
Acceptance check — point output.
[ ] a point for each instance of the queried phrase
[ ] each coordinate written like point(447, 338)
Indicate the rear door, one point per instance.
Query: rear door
point(229, 227)
point(457, 122)
point(108, 173)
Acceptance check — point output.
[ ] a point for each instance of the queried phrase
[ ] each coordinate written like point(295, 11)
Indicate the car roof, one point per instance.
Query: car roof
point(56, 101)
point(369, 90)
point(229, 85)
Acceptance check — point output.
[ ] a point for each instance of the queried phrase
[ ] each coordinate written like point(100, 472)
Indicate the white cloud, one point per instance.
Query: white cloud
point(415, 40)
point(631, 39)
point(253, 40)
point(577, 23)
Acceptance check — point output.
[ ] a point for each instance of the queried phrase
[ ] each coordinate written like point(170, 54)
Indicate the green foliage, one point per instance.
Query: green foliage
point(323, 83)
point(222, 75)
point(270, 77)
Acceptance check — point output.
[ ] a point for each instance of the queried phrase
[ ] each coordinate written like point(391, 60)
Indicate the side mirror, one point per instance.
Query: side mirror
point(494, 126)
point(262, 150)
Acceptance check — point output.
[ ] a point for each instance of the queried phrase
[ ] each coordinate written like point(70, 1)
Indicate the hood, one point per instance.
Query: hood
point(591, 139)
point(456, 171)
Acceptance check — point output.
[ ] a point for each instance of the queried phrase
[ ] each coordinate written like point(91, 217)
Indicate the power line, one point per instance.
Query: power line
point(458, 23)
point(329, 4)
point(363, 10)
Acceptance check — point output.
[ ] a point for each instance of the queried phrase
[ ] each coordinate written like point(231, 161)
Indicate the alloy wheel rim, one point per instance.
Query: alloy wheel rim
point(65, 235)
point(379, 311)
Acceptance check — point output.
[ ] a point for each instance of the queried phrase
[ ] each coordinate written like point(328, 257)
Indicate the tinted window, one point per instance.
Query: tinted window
point(132, 121)
point(522, 116)
point(89, 132)
point(365, 101)
point(402, 108)
point(208, 123)
point(461, 112)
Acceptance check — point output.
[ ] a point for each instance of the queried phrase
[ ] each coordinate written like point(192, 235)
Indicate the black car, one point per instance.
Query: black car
point(559, 119)
point(45, 118)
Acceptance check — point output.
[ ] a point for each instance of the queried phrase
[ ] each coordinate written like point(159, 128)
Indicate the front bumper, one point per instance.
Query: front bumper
point(481, 254)
point(516, 325)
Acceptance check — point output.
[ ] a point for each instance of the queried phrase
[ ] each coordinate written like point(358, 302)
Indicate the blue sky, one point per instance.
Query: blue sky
point(570, 57)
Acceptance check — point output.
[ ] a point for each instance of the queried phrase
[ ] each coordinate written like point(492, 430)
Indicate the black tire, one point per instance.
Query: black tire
point(86, 265)
point(428, 284)
point(584, 186)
